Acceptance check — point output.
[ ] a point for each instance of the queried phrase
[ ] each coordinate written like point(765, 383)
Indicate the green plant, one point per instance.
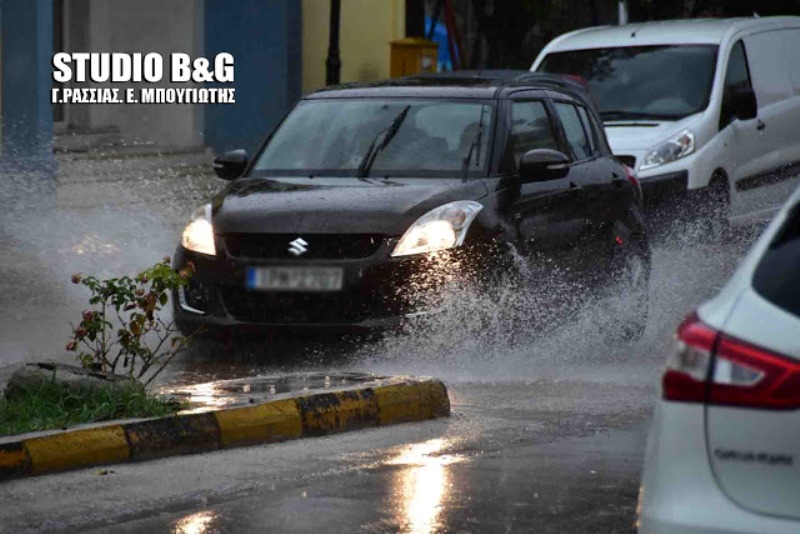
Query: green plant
point(51, 405)
point(124, 331)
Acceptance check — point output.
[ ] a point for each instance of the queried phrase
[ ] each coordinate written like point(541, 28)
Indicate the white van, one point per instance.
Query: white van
point(709, 106)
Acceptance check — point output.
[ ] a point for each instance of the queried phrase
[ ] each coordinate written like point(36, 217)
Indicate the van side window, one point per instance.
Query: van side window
point(737, 76)
point(530, 128)
point(573, 128)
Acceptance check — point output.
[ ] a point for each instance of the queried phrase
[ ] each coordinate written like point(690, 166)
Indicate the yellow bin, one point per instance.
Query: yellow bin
point(413, 55)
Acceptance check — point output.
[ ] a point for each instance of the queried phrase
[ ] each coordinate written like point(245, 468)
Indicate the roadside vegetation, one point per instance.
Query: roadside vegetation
point(124, 331)
point(50, 405)
point(122, 342)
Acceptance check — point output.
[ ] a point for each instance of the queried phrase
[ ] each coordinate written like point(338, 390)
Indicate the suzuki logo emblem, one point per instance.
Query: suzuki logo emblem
point(298, 246)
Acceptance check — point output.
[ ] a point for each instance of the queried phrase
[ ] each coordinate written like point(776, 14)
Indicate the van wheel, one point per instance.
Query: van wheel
point(714, 207)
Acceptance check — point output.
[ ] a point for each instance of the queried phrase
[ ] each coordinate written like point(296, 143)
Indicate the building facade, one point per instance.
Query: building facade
point(279, 46)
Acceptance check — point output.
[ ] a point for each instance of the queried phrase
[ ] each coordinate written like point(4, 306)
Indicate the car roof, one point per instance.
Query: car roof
point(477, 84)
point(685, 31)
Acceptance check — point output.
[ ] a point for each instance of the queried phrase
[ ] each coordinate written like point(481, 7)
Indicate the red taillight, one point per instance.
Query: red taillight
point(634, 181)
point(739, 374)
point(746, 375)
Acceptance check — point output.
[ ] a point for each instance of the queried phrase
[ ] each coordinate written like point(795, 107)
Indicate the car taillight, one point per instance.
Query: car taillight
point(714, 368)
point(687, 368)
point(634, 181)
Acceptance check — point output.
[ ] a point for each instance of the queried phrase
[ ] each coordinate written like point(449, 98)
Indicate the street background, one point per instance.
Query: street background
point(547, 433)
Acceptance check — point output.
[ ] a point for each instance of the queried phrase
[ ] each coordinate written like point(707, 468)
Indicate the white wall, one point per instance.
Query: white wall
point(141, 26)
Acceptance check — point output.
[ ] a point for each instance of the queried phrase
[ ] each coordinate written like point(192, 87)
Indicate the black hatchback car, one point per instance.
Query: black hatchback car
point(366, 196)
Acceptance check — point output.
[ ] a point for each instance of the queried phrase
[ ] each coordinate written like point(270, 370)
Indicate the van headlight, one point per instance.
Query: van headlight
point(674, 148)
point(440, 229)
point(198, 235)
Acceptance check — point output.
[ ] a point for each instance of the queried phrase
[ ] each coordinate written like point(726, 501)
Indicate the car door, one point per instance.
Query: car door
point(548, 215)
point(791, 44)
point(594, 176)
point(746, 138)
point(777, 118)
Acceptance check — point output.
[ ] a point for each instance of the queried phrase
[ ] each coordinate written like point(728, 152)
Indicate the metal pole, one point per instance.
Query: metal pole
point(333, 65)
point(622, 12)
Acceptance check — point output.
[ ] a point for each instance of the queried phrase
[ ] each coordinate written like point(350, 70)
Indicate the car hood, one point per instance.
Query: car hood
point(627, 137)
point(334, 205)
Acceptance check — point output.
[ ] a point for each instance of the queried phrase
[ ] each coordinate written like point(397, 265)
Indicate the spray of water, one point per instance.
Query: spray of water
point(512, 333)
point(105, 215)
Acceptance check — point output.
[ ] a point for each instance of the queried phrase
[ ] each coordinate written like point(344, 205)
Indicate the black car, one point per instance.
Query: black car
point(366, 197)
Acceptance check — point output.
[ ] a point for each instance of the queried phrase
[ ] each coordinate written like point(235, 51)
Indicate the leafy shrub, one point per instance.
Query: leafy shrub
point(124, 332)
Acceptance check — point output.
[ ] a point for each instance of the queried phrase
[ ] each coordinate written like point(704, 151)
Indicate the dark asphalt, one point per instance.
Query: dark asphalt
point(574, 485)
point(530, 458)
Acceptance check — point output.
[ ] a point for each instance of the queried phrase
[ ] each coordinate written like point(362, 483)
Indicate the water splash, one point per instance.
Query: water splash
point(105, 215)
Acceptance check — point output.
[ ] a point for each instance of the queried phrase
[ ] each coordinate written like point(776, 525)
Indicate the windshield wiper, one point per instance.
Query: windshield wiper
point(621, 115)
point(388, 135)
point(476, 144)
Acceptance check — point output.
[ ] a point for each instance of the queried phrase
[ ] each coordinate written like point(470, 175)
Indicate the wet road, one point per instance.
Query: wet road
point(551, 456)
point(546, 434)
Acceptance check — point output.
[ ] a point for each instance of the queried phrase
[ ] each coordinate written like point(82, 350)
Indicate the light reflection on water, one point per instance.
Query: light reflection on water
point(423, 485)
point(197, 523)
point(203, 397)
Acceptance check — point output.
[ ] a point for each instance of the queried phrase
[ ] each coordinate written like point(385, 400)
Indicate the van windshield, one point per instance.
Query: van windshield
point(380, 138)
point(642, 82)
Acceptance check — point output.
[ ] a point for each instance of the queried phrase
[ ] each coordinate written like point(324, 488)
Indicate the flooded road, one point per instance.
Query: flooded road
point(547, 432)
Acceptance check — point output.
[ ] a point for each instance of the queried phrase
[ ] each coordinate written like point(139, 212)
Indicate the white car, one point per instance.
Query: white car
point(710, 106)
point(724, 449)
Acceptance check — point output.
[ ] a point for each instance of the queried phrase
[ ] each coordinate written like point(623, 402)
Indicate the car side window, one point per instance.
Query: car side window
point(737, 76)
point(590, 127)
point(573, 128)
point(530, 128)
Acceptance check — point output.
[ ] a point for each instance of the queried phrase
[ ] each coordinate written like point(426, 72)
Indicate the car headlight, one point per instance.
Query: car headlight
point(199, 234)
point(675, 148)
point(440, 229)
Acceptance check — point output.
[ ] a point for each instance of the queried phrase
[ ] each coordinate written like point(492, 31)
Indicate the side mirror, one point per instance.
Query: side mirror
point(543, 164)
point(231, 165)
point(745, 105)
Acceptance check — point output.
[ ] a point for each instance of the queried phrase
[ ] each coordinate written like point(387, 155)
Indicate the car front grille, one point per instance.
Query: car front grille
point(318, 246)
point(630, 161)
point(299, 308)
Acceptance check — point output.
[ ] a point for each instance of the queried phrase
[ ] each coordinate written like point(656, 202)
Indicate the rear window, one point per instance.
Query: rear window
point(777, 277)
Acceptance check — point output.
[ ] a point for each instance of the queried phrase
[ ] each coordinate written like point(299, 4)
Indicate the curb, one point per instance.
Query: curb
point(310, 415)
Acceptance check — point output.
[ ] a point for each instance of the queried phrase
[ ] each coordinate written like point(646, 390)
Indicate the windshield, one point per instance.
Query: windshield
point(381, 138)
point(642, 82)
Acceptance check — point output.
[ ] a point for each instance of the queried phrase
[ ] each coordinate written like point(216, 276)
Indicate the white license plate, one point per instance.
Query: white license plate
point(295, 278)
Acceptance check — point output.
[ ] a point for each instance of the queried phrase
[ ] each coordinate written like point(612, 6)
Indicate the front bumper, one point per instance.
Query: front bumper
point(664, 188)
point(378, 292)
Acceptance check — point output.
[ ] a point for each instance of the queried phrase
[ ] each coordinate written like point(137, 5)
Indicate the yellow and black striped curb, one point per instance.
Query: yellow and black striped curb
point(309, 415)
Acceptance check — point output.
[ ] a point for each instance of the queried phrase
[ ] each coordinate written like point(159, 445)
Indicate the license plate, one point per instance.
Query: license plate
point(295, 278)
